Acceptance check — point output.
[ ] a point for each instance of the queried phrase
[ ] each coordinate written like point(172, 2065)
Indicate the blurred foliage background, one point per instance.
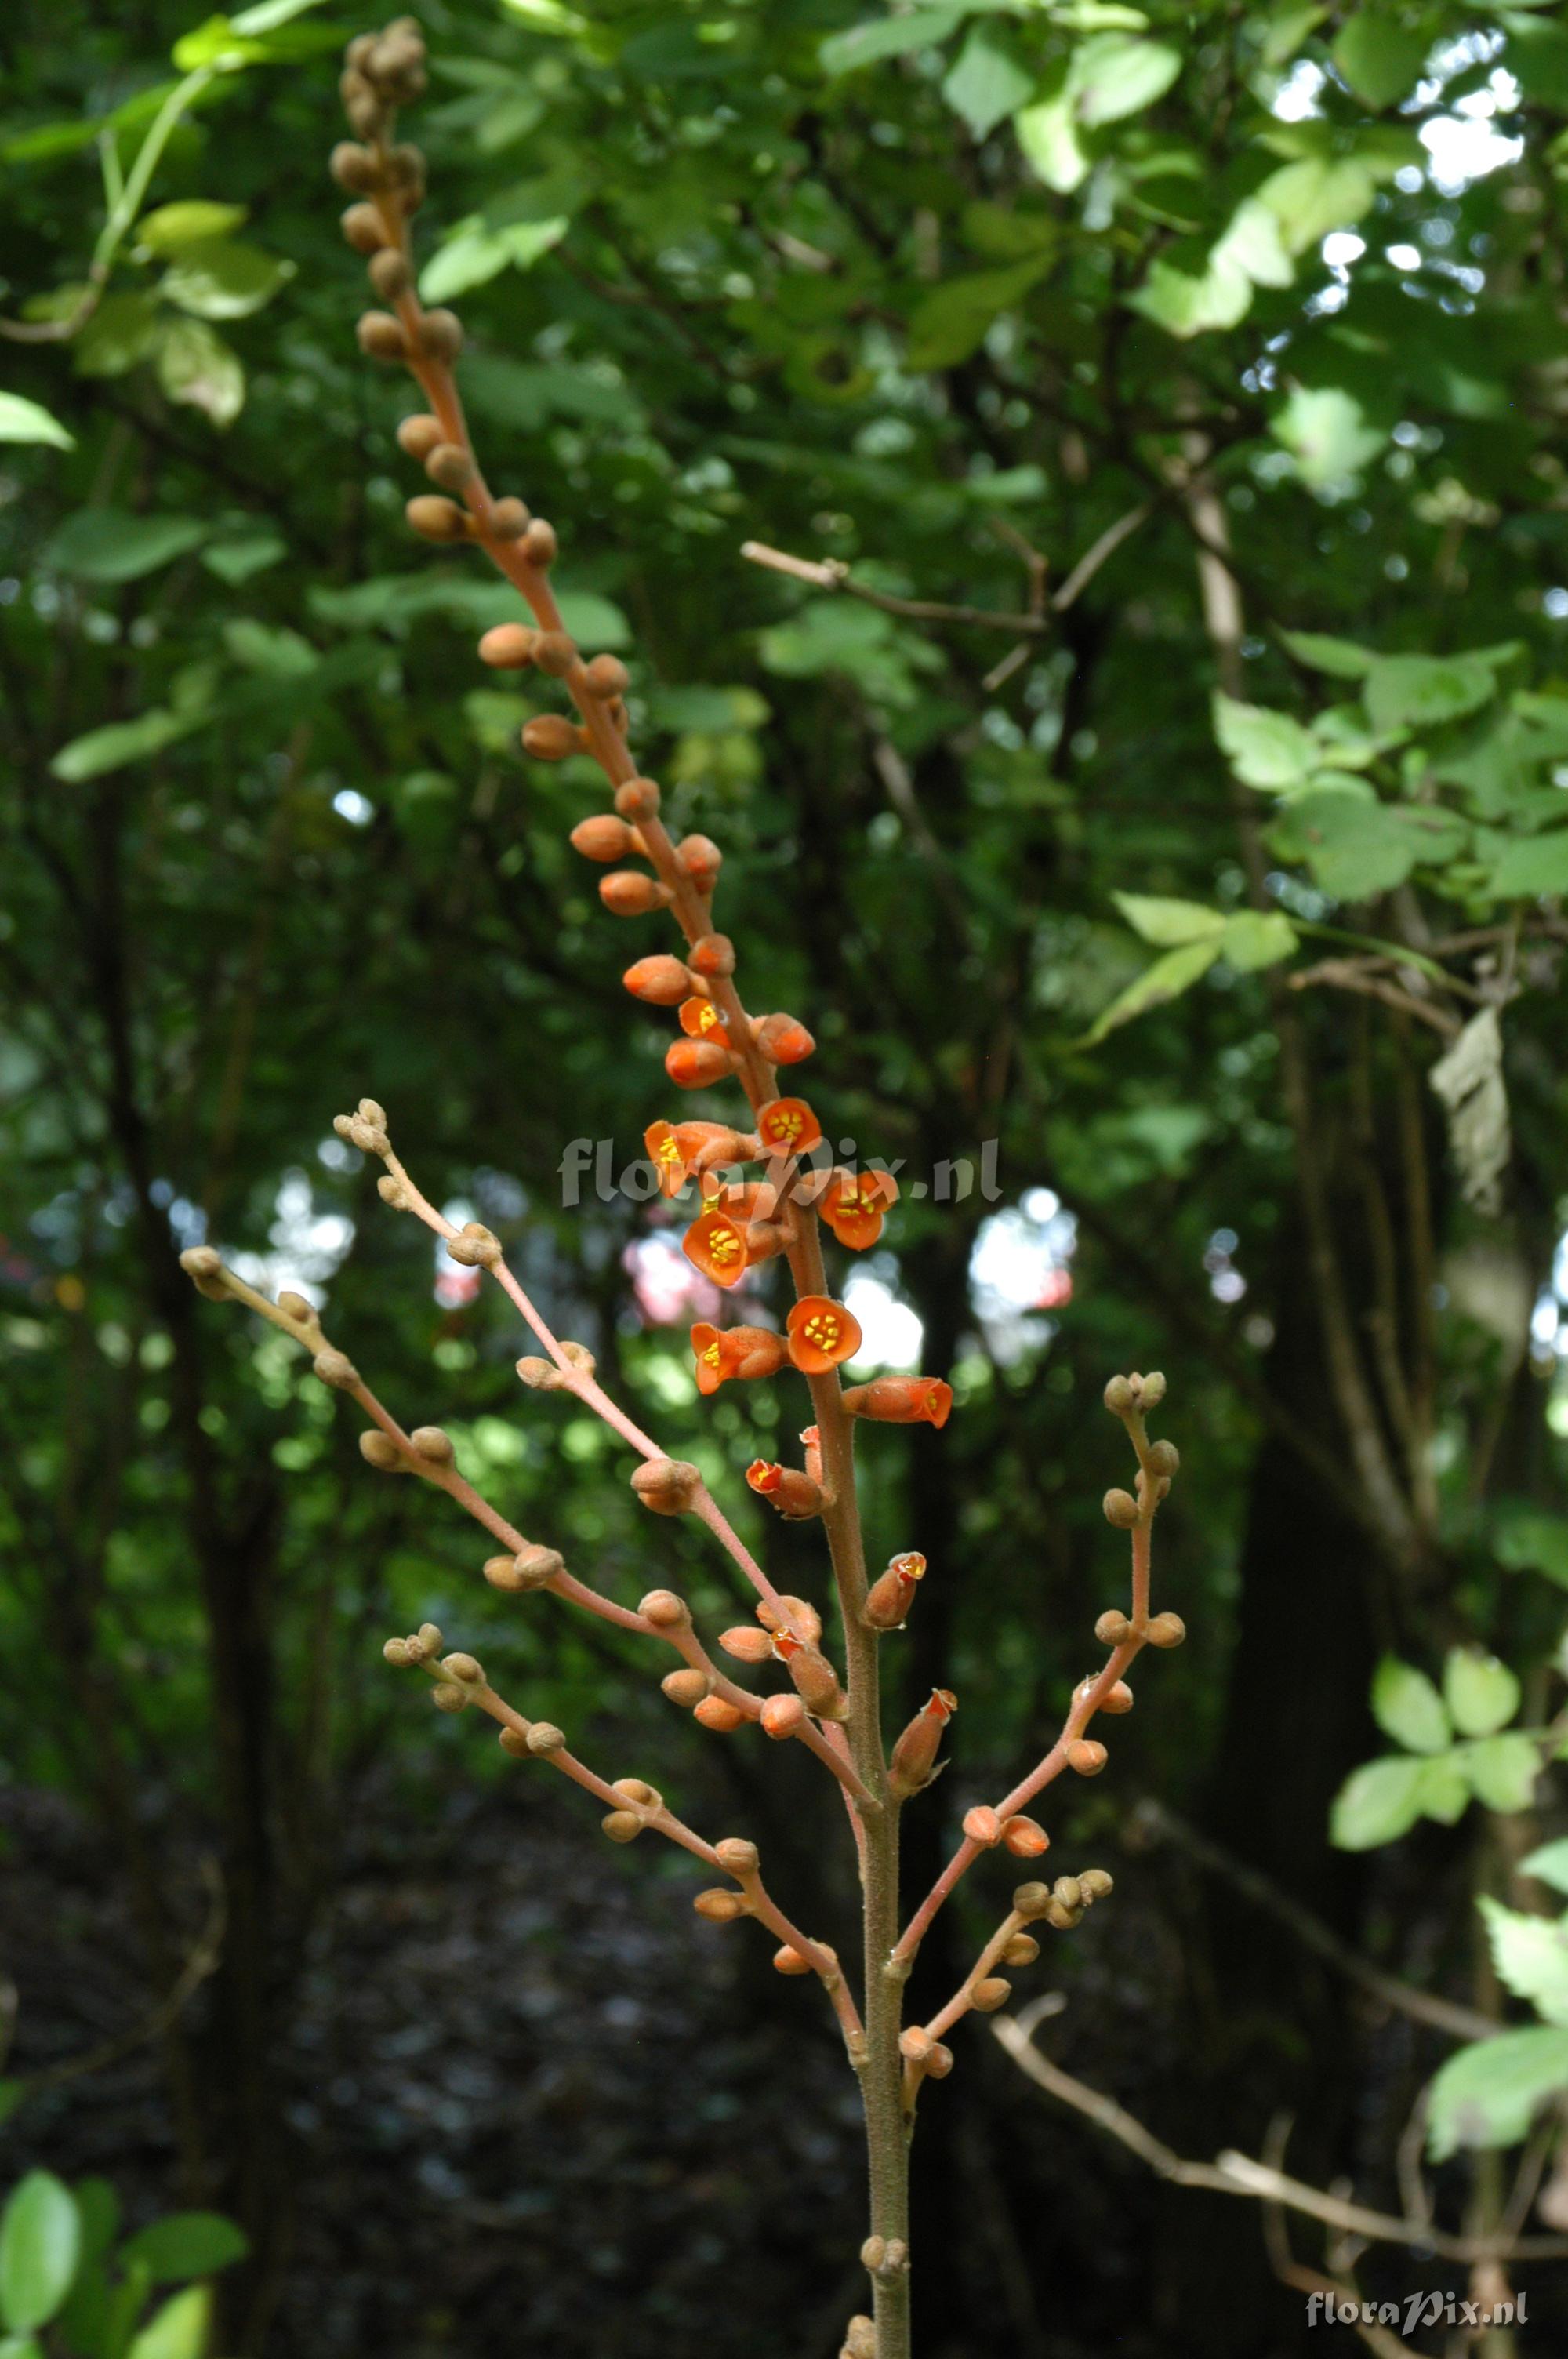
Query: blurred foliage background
point(1220, 349)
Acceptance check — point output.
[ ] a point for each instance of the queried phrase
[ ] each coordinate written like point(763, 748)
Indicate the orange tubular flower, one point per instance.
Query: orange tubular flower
point(676, 1149)
point(788, 1127)
point(891, 1594)
point(854, 1205)
point(703, 1021)
point(717, 1247)
point(901, 1400)
point(794, 1494)
point(821, 1334)
point(722, 1352)
point(914, 1759)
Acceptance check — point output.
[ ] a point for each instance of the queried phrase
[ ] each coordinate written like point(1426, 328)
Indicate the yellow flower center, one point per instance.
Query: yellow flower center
point(711, 1355)
point(724, 1244)
point(823, 1329)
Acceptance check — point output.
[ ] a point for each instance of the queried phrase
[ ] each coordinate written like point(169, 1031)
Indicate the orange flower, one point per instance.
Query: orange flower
point(676, 1149)
point(717, 1247)
point(854, 1205)
point(794, 1494)
point(722, 1352)
point(788, 1127)
point(913, 1758)
point(698, 1064)
point(821, 1334)
point(702, 1020)
point(901, 1400)
point(888, 1600)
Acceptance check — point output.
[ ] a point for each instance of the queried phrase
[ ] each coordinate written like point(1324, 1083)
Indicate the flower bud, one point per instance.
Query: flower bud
point(783, 1039)
point(815, 1680)
point(1166, 1630)
point(205, 1267)
point(335, 1369)
point(747, 1646)
point(797, 1614)
point(1066, 1891)
point(605, 837)
point(539, 544)
point(430, 1443)
point(994, 1991)
point(794, 1494)
point(513, 1741)
point(354, 167)
point(1086, 1756)
point(396, 1652)
point(637, 1789)
point(901, 1400)
point(1095, 1883)
point(621, 1826)
point(539, 1376)
point(686, 1687)
point(464, 1669)
point(449, 1698)
point(1031, 1901)
point(701, 859)
point(1020, 1950)
point(544, 1738)
point(712, 955)
point(606, 676)
point(698, 1064)
point(1150, 1389)
point(435, 518)
point(860, 2339)
point(381, 336)
point(452, 466)
point(531, 1567)
point(715, 1712)
point(788, 1961)
point(474, 1246)
point(1120, 1509)
point(721, 1907)
point(662, 981)
point(981, 1826)
point(550, 737)
point(1025, 1838)
point(892, 1593)
point(637, 798)
point(628, 895)
point(419, 434)
point(392, 1191)
point(507, 647)
point(782, 1715)
point(665, 1610)
point(505, 519)
point(1120, 1396)
point(939, 2063)
point(555, 653)
point(667, 1485)
point(914, 1759)
point(1117, 1697)
point(1164, 1458)
point(431, 1639)
point(1112, 1628)
point(737, 1855)
point(391, 274)
point(380, 1451)
point(914, 2044)
point(441, 335)
point(361, 226)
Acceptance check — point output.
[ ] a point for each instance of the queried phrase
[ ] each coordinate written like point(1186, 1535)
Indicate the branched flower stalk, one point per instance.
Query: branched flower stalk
point(832, 1708)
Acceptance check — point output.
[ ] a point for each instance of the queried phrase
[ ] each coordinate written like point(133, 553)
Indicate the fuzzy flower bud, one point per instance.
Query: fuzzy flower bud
point(507, 647)
point(747, 1644)
point(714, 1712)
point(1166, 1630)
point(890, 1596)
point(815, 1679)
point(701, 859)
point(335, 1369)
point(430, 1443)
point(1120, 1509)
point(1025, 1838)
point(1020, 1950)
point(665, 1610)
point(914, 1759)
point(662, 980)
point(550, 737)
point(994, 1991)
point(667, 1485)
point(698, 1064)
point(788, 1961)
point(782, 1715)
point(505, 519)
point(794, 1494)
point(1120, 1396)
point(203, 1265)
point(981, 1826)
point(627, 893)
point(605, 837)
point(419, 434)
point(798, 1614)
point(380, 1451)
point(435, 517)
point(637, 798)
point(621, 1826)
point(737, 1855)
point(441, 335)
point(686, 1687)
point(783, 1039)
point(1086, 1756)
point(720, 1906)
point(361, 226)
point(1112, 1628)
point(606, 676)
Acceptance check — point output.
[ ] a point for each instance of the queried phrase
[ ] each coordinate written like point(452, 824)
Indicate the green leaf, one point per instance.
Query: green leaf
point(1048, 139)
point(119, 333)
point(239, 555)
point(1378, 1802)
point(22, 421)
point(193, 220)
point(1166, 979)
point(1310, 197)
point(98, 2208)
point(197, 367)
point(1254, 939)
point(1111, 76)
point(188, 2244)
point(20, 2346)
point(1502, 1771)
point(1487, 2093)
point(1379, 56)
point(987, 83)
point(1549, 1864)
point(217, 278)
point(40, 2240)
point(888, 36)
point(474, 255)
point(1267, 749)
point(950, 322)
point(1482, 1693)
point(269, 649)
point(1535, 865)
point(1167, 924)
point(1325, 430)
point(1445, 1793)
point(1407, 1707)
point(1530, 1954)
point(1339, 657)
point(1356, 846)
point(178, 2331)
point(110, 545)
point(1419, 691)
point(1529, 1540)
point(119, 742)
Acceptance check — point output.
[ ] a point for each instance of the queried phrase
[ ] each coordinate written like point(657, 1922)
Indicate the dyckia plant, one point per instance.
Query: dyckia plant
point(826, 1694)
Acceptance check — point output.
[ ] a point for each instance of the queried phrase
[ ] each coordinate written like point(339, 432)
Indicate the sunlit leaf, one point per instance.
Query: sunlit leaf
point(40, 2240)
point(22, 421)
point(1487, 2093)
point(1166, 979)
point(1407, 1707)
point(1482, 1694)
